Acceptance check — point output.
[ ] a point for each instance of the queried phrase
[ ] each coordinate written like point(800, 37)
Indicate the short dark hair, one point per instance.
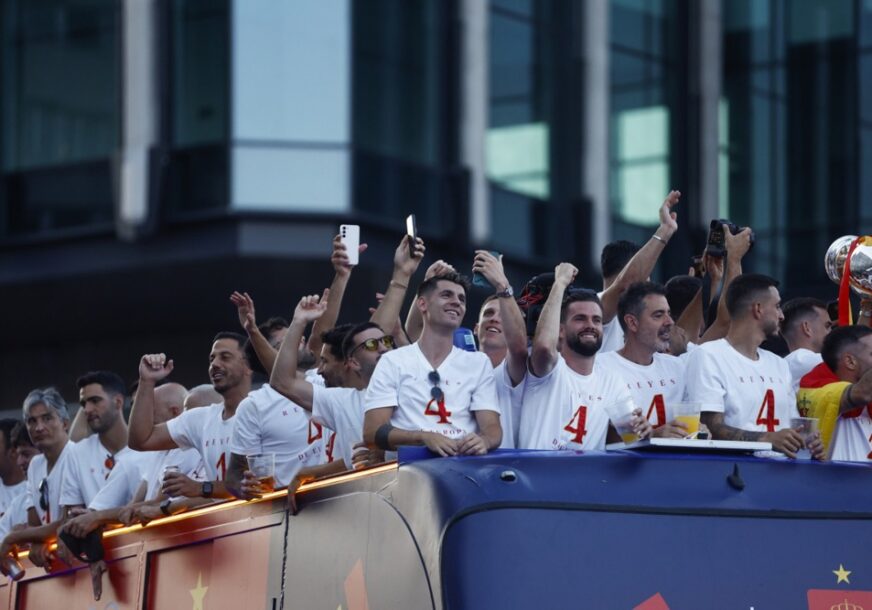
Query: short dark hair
point(20, 437)
point(429, 285)
point(632, 300)
point(839, 340)
point(226, 334)
point(744, 289)
point(111, 382)
point(680, 291)
point(7, 425)
point(578, 295)
point(798, 310)
point(615, 256)
point(348, 340)
point(272, 325)
point(334, 338)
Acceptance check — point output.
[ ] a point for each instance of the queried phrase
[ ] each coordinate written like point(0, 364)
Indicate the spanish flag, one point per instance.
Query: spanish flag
point(819, 395)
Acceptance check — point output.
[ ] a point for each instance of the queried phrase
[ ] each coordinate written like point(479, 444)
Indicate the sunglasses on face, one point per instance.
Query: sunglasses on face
point(371, 345)
point(435, 392)
point(43, 495)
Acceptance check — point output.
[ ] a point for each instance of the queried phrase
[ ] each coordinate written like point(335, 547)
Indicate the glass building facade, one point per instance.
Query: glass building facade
point(539, 128)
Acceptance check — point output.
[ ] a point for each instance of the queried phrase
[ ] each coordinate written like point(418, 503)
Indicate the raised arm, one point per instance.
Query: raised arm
point(737, 247)
point(414, 321)
point(543, 355)
point(143, 433)
point(405, 265)
point(341, 274)
point(284, 379)
point(514, 329)
point(266, 353)
point(642, 264)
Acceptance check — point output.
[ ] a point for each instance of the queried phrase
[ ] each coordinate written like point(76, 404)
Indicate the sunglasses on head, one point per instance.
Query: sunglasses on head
point(43, 495)
point(371, 345)
point(435, 392)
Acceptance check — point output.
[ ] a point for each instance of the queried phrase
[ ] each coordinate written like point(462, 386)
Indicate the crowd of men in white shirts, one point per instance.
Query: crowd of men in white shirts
point(555, 368)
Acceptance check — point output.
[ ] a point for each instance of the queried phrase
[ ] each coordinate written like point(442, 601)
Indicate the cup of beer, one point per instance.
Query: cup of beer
point(687, 413)
point(263, 465)
point(806, 426)
point(621, 414)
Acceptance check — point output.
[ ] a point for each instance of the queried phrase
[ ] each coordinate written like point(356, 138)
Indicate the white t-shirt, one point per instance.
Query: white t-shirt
point(87, 470)
point(852, 440)
point(566, 410)
point(8, 493)
point(188, 461)
point(16, 513)
point(205, 430)
point(36, 473)
point(754, 395)
point(652, 386)
point(401, 380)
point(123, 481)
point(267, 422)
point(510, 399)
point(613, 336)
point(340, 409)
point(801, 361)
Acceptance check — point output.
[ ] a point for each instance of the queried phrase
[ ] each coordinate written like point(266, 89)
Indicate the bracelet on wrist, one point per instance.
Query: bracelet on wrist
point(398, 284)
point(660, 239)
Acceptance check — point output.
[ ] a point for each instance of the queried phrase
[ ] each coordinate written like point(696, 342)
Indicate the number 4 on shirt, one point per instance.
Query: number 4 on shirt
point(769, 406)
point(658, 407)
point(440, 411)
point(576, 425)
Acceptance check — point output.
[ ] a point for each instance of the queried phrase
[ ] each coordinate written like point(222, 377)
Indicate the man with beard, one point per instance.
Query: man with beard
point(568, 392)
point(101, 395)
point(431, 392)
point(746, 393)
point(839, 393)
point(806, 324)
point(654, 378)
point(206, 429)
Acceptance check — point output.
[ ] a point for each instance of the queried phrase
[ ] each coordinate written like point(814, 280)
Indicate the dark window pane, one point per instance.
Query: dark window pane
point(200, 71)
point(60, 82)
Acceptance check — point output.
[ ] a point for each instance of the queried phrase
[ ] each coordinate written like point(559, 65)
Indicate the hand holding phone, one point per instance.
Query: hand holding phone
point(412, 232)
point(350, 236)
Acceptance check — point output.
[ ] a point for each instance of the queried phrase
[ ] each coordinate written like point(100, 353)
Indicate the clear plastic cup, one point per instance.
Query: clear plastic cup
point(687, 413)
point(807, 427)
point(263, 465)
point(621, 414)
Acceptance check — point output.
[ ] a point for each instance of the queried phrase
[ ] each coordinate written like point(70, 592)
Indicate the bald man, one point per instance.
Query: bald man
point(202, 395)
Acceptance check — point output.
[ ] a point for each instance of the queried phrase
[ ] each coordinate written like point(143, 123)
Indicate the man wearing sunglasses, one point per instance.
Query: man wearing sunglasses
point(47, 421)
point(432, 393)
point(338, 408)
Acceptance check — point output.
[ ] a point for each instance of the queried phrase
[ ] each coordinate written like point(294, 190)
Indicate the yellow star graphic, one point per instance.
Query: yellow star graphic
point(842, 574)
point(199, 593)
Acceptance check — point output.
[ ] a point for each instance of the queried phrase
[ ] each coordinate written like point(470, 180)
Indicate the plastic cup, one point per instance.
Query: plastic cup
point(687, 413)
point(621, 414)
point(807, 427)
point(263, 465)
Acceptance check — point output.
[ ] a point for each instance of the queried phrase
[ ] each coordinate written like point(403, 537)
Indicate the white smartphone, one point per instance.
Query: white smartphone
point(350, 235)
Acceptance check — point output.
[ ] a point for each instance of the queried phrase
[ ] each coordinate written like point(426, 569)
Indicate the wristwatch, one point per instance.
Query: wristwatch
point(165, 507)
point(505, 294)
point(206, 491)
